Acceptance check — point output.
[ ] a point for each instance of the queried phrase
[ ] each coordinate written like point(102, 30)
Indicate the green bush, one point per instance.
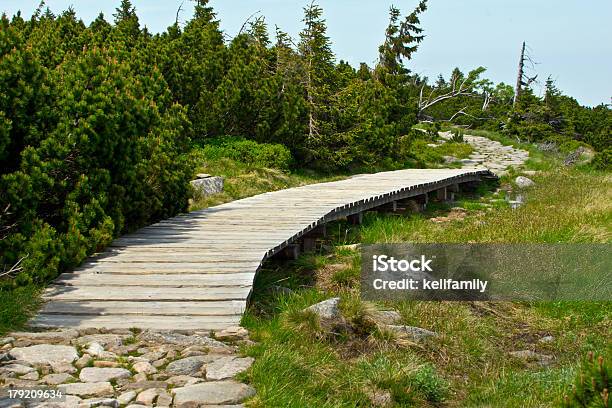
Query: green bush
point(592, 385)
point(103, 157)
point(603, 160)
point(249, 152)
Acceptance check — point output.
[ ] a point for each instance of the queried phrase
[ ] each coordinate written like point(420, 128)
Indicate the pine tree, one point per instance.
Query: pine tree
point(318, 65)
point(127, 26)
point(401, 39)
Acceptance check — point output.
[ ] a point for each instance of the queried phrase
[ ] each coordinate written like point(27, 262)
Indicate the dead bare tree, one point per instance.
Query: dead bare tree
point(459, 86)
point(178, 12)
point(522, 80)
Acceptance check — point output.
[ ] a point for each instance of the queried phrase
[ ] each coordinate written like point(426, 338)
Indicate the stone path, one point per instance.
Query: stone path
point(491, 154)
point(100, 368)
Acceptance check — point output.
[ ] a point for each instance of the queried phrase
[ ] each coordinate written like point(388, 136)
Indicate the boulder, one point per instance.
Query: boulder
point(126, 397)
point(33, 376)
point(182, 380)
point(56, 379)
point(104, 340)
point(95, 349)
point(144, 367)
point(207, 185)
point(18, 369)
point(6, 402)
point(212, 393)
point(144, 385)
point(148, 396)
point(97, 375)
point(232, 334)
point(45, 354)
point(88, 390)
point(178, 339)
point(62, 336)
point(524, 182)
point(227, 367)
point(99, 402)
point(327, 309)
point(415, 333)
point(186, 366)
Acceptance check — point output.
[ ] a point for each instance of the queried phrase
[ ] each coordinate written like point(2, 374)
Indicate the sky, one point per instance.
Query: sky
point(571, 40)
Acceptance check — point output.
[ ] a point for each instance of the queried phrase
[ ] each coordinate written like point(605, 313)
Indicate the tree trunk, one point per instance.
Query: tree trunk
point(519, 79)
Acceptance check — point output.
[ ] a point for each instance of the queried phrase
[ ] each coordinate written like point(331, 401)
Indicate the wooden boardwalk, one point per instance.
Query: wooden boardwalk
point(196, 271)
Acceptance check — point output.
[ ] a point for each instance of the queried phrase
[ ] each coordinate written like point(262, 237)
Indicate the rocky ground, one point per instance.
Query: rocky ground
point(99, 368)
point(490, 154)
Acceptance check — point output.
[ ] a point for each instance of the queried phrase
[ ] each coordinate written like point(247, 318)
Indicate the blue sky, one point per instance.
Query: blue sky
point(570, 39)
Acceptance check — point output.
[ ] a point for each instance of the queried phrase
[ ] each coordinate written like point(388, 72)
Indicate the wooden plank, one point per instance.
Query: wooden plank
point(128, 308)
point(156, 280)
point(151, 294)
point(142, 322)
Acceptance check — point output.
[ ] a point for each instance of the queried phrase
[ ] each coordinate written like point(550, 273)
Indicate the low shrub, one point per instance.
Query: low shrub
point(592, 385)
point(249, 152)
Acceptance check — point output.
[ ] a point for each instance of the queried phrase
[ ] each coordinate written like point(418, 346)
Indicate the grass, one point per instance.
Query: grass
point(468, 364)
point(243, 180)
point(17, 306)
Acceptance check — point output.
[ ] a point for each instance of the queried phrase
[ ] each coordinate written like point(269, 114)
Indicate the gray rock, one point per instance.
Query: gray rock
point(63, 368)
point(99, 402)
point(182, 380)
point(227, 367)
point(18, 369)
point(153, 355)
point(203, 187)
point(547, 339)
point(95, 349)
point(70, 401)
point(524, 182)
point(126, 397)
point(62, 336)
point(163, 399)
point(415, 333)
point(327, 309)
point(144, 367)
point(186, 366)
point(105, 340)
point(387, 317)
point(56, 379)
point(45, 354)
point(178, 339)
point(33, 376)
point(144, 385)
point(148, 396)
point(232, 333)
point(6, 340)
point(530, 356)
point(98, 375)
point(6, 402)
point(212, 393)
point(83, 361)
point(88, 390)
point(160, 363)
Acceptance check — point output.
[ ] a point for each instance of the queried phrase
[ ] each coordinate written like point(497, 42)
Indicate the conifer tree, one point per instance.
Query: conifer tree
point(127, 25)
point(402, 39)
point(318, 74)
